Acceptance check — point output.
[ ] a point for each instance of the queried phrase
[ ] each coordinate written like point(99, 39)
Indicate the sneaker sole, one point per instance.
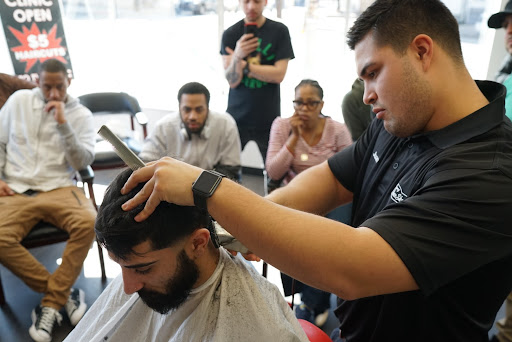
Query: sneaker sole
point(77, 315)
point(33, 332)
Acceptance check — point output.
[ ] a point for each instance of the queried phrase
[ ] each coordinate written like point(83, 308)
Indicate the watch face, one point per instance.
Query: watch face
point(206, 183)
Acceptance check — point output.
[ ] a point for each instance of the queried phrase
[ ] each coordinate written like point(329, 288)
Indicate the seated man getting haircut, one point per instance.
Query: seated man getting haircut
point(177, 285)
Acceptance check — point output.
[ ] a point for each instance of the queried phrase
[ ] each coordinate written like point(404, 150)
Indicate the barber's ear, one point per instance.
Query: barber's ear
point(423, 48)
point(198, 242)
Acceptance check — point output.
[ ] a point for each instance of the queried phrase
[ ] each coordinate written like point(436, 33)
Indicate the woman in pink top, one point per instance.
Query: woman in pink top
point(306, 139)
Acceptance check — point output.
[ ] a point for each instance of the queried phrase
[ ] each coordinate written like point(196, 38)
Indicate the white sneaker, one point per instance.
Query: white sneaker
point(320, 319)
point(43, 320)
point(76, 306)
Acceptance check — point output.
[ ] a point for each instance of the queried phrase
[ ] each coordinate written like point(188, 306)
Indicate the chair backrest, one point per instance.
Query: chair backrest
point(110, 103)
point(314, 333)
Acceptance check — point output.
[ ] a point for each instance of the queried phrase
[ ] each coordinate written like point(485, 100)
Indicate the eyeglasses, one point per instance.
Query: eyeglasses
point(311, 105)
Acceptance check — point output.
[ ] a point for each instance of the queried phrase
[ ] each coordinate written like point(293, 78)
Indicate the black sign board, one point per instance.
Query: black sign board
point(34, 33)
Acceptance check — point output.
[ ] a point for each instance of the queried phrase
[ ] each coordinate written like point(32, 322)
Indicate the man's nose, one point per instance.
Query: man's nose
point(369, 96)
point(131, 282)
point(193, 115)
point(54, 93)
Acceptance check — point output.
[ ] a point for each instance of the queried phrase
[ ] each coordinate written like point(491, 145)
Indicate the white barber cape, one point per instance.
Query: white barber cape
point(235, 304)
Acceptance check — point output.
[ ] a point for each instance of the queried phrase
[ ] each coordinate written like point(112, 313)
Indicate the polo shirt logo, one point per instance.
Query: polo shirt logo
point(376, 157)
point(397, 195)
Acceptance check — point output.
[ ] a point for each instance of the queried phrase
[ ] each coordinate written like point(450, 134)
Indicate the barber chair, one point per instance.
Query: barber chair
point(314, 333)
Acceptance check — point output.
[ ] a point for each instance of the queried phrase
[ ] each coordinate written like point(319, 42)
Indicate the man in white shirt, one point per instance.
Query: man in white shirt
point(177, 285)
point(46, 136)
point(196, 135)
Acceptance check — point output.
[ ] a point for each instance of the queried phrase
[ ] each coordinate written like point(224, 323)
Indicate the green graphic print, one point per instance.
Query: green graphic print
point(261, 54)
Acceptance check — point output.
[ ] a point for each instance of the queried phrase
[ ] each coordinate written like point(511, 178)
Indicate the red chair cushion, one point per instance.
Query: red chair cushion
point(314, 333)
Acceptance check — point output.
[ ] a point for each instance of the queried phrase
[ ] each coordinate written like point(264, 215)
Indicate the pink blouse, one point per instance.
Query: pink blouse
point(280, 161)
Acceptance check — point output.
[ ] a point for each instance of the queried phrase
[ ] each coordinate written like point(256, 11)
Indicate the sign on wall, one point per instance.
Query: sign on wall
point(34, 33)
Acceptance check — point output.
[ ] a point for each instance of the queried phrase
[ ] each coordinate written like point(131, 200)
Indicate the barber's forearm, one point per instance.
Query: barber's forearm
point(300, 194)
point(283, 236)
point(326, 254)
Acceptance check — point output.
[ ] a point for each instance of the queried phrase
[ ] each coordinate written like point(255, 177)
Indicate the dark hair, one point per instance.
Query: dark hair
point(53, 65)
point(118, 232)
point(194, 88)
point(397, 22)
point(312, 83)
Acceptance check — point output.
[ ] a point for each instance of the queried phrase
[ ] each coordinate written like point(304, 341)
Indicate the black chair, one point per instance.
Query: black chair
point(46, 234)
point(115, 104)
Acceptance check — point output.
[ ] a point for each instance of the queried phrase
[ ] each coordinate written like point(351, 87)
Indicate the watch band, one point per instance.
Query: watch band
point(204, 187)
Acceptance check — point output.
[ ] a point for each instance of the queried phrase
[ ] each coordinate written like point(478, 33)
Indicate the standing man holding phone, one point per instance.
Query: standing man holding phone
point(255, 51)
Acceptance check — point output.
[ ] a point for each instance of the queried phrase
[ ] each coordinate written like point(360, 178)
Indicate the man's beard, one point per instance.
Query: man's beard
point(177, 289)
point(195, 131)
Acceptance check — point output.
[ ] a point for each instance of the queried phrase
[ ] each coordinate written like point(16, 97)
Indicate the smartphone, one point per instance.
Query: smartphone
point(251, 28)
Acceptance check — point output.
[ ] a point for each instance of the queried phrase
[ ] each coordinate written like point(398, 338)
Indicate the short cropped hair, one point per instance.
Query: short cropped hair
point(53, 65)
point(397, 22)
point(194, 88)
point(118, 232)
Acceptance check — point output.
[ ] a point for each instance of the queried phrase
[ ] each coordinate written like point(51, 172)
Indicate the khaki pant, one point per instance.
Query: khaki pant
point(66, 208)
point(505, 325)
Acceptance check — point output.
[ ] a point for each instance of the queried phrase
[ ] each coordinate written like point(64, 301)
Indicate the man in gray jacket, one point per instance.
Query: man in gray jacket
point(46, 136)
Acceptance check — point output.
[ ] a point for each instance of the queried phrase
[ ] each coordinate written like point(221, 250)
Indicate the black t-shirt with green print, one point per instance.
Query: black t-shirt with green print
point(255, 102)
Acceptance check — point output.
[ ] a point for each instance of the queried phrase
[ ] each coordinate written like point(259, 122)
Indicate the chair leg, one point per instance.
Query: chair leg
point(2, 296)
point(102, 263)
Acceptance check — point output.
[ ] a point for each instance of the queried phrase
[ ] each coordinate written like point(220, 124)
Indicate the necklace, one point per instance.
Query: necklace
point(304, 156)
point(317, 134)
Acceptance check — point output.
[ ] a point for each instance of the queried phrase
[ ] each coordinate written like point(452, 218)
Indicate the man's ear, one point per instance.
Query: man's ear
point(198, 242)
point(423, 48)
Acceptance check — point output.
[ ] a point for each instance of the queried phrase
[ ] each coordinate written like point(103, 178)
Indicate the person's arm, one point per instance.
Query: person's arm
point(10, 84)
point(234, 61)
point(269, 73)
point(17, 83)
point(230, 171)
point(279, 157)
point(329, 255)
point(78, 135)
point(234, 64)
point(5, 190)
point(233, 67)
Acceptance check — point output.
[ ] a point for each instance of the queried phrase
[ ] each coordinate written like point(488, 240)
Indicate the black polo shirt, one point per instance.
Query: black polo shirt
point(443, 201)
